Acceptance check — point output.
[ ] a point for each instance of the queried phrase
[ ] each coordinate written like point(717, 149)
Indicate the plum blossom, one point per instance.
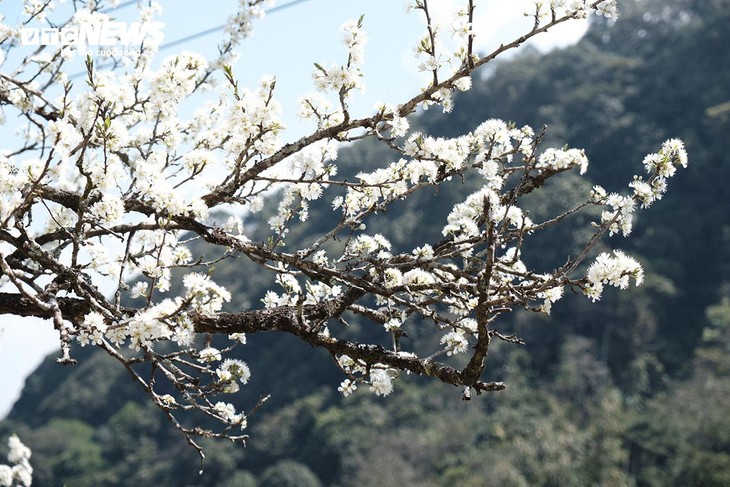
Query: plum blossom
point(613, 271)
point(21, 472)
point(347, 387)
point(380, 381)
point(558, 159)
point(454, 342)
point(227, 411)
point(127, 186)
point(209, 354)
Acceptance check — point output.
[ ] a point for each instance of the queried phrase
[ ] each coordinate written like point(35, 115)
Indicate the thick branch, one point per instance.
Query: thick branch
point(73, 309)
point(285, 319)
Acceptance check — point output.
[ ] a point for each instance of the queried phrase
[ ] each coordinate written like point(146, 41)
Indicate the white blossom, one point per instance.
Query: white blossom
point(204, 295)
point(347, 387)
point(183, 333)
point(393, 324)
point(551, 296)
point(209, 354)
point(20, 472)
point(228, 412)
point(168, 400)
point(463, 84)
point(234, 369)
point(399, 126)
point(558, 159)
point(614, 271)
point(454, 342)
point(380, 381)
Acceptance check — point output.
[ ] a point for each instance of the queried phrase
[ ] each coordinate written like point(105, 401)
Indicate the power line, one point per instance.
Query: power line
point(221, 27)
point(121, 5)
point(191, 37)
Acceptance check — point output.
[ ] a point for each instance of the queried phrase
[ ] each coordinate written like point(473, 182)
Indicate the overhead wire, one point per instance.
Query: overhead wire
point(221, 27)
point(117, 7)
point(197, 35)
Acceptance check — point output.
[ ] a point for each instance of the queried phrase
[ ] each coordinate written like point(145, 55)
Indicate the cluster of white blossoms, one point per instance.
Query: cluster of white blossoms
point(116, 187)
point(621, 216)
point(309, 171)
point(442, 48)
point(551, 296)
point(231, 371)
point(608, 8)
point(464, 220)
point(11, 180)
point(169, 319)
point(411, 284)
point(433, 159)
point(347, 387)
point(251, 128)
point(315, 292)
point(379, 376)
point(165, 320)
point(240, 25)
point(558, 159)
point(315, 106)
point(227, 412)
point(19, 472)
point(661, 166)
point(579, 8)
point(93, 330)
point(203, 295)
point(614, 271)
point(342, 79)
point(130, 139)
point(365, 245)
point(455, 342)
point(175, 80)
point(381, 382)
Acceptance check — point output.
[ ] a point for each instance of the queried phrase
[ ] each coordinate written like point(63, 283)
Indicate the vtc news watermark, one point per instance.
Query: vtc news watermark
point(109, 35)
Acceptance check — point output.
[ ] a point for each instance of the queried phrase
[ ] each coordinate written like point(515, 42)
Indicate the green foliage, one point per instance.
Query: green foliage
point(288, 473)
point(239, 479)
point(683, 436)
point(713, 354)
point(93, 393)
point(66, 453)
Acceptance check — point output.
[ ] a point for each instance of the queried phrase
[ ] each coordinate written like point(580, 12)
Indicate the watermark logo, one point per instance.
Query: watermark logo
point(87, 34)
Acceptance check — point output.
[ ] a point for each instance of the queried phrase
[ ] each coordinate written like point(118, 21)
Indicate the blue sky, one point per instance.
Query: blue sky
point(285, 43)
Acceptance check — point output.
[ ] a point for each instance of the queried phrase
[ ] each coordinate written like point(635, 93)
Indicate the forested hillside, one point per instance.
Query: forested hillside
point(632, 390)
